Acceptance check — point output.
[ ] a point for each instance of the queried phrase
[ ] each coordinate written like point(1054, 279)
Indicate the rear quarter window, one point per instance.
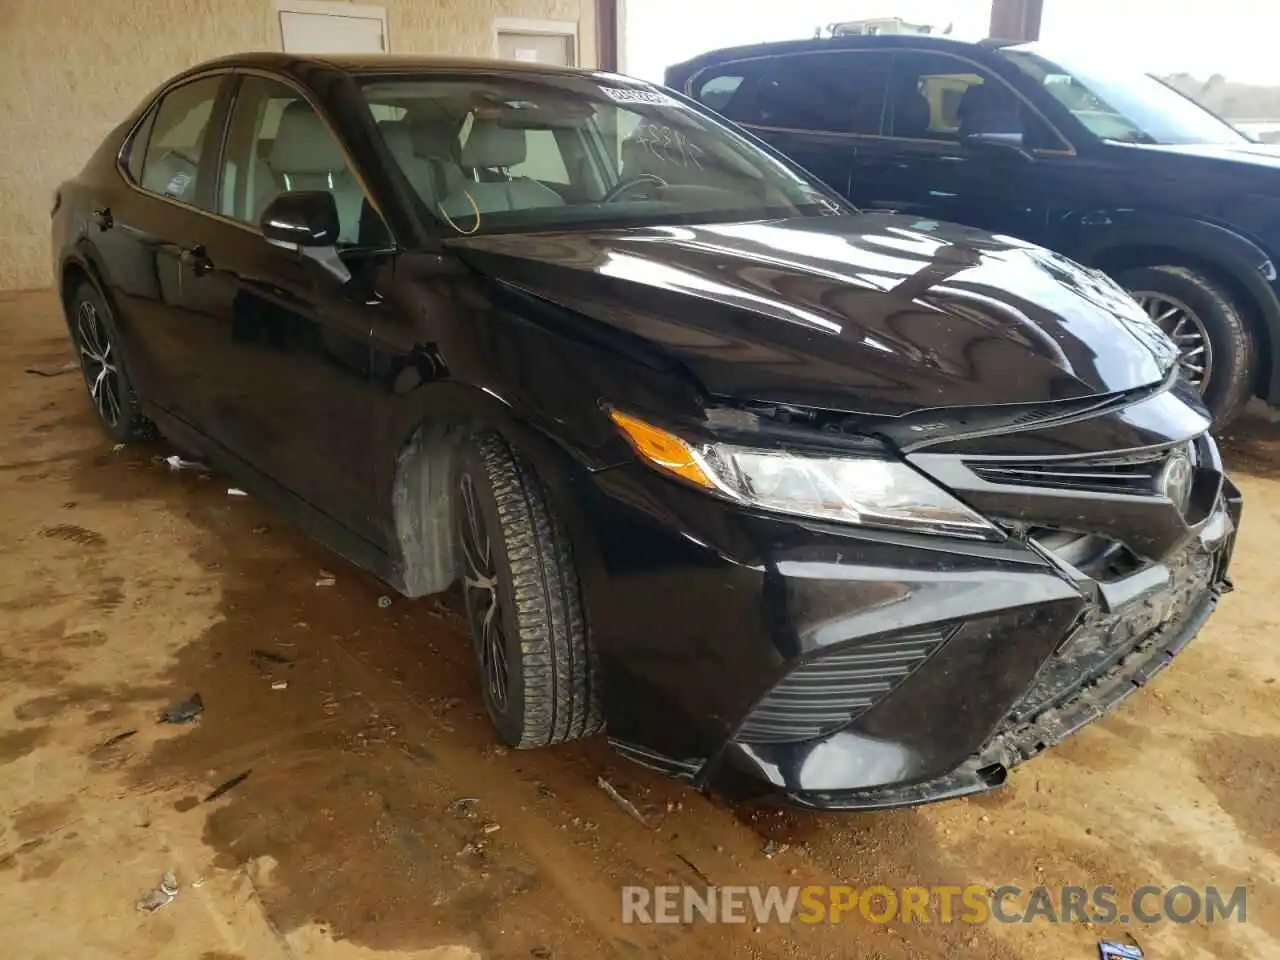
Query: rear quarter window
point(729, 89)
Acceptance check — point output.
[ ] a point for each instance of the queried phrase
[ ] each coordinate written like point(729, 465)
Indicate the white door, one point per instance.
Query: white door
point(307, 32)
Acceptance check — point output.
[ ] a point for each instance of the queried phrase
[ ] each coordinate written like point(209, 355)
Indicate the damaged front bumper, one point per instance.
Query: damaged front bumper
point(837, 667)
point(1105, 659)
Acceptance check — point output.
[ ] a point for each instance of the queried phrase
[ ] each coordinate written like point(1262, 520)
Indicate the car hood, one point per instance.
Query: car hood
point(1259, 155)
point(867, 313)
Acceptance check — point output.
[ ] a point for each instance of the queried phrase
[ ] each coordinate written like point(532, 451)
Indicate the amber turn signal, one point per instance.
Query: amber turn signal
point(662, 449)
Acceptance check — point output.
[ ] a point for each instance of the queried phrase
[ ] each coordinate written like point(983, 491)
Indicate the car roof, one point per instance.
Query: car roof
point(390, 63)
point(813, 44)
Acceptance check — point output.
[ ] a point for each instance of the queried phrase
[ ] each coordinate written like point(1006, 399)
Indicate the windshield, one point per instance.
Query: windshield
point(548, 151)
point(1127, 107)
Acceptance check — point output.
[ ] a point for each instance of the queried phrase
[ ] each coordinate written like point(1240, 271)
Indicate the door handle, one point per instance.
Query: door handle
point(102, 217)
point(197, 258)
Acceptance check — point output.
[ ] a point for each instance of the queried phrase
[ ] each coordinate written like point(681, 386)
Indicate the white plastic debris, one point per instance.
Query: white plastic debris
point(235, 492)
point(280, 685)
point(384, 602)
point(163, 893)
point(176, 463)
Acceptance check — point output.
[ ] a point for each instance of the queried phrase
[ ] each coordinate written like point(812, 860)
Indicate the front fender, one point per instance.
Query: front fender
point(1109, 239)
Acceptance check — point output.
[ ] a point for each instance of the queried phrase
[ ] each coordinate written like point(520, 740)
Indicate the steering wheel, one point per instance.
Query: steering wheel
point(623, 187)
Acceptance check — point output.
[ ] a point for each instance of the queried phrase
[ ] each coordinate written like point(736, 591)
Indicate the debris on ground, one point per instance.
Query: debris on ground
point(327, 579)
point(262, 658)
point(184, 711)
point(159, 895)
point(176, 463)
point(694, 867)
point(491, 827)
point(464, 806)
point(235, 492)
point(384, 602)
point(280, 685)
point(1110, 950)
point(540, 953)
point(226, 785)
point(54, 371)
point(261, 528)
point(118, 447)
point(772, 848)
point(118, 738)
point(620, 800)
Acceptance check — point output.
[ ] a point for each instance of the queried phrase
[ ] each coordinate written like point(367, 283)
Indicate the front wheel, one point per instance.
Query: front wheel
point(523, 602)
point(97, 342)
point(1216, 348)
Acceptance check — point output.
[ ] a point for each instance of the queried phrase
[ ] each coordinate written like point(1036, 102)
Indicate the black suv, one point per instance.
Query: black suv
point(1110, 167)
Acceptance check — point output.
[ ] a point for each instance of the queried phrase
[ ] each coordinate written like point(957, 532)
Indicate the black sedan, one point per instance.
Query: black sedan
point(853, 510)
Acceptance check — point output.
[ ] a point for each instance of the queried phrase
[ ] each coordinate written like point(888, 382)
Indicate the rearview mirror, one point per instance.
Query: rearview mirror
point(306, 221)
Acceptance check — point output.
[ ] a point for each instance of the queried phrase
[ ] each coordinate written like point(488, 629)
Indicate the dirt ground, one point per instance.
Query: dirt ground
point(124, 587)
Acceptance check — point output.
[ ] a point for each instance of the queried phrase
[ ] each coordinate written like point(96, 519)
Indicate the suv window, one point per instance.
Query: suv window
point(730, 89)
point(171, 164)
point(928, 94)
point(838, 92)
point(933, 96)
point(277, 143)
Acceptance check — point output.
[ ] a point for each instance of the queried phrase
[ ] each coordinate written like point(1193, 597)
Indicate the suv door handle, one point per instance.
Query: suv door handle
point(197, 258)
point(102, 217)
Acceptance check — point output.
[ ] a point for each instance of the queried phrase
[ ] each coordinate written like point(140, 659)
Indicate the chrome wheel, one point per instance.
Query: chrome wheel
point(98, 361)
point(1195, 352)
point(480, 586)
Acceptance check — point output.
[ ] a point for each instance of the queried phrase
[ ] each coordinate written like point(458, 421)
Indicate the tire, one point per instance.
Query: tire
point(520, 581)
point(97, 341)
point(1214, 316)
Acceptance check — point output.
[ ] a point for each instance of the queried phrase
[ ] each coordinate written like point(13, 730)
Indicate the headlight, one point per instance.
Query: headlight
point(861, 490)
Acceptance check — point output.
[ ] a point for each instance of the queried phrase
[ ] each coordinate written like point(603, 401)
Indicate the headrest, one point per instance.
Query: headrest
point(397, 136)
point(490, 145)
point(304, 143)
point(985, 98)
point(434, 139)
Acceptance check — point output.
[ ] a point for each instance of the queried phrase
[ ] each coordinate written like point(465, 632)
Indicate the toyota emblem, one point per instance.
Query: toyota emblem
point(1175, 479)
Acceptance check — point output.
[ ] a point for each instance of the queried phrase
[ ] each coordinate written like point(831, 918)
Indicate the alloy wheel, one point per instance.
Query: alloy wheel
point(480, 585)
point(1195, 351)
point(99, 363)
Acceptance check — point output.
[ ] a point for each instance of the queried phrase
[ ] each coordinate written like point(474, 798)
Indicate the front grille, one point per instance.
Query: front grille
point(1132, 474)
point(824, 694)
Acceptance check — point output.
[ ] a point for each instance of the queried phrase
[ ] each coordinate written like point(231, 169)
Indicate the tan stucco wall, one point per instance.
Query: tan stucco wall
point(70, 70)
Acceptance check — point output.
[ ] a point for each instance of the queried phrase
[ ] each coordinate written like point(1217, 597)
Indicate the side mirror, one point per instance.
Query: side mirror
point(302, 218)
point(306, 221)
point(996, 143)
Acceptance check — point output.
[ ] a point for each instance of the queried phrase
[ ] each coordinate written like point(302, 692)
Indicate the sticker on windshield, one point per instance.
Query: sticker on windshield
point(653, 97)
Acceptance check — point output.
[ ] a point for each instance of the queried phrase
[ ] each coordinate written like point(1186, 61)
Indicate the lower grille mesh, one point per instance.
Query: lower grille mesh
point(824, 694)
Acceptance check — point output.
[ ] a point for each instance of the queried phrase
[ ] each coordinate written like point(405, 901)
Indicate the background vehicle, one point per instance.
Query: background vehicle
point(842, 507)
point(1113, 169)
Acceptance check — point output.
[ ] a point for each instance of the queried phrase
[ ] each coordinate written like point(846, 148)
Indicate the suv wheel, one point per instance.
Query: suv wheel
point(97, 343)
point(537, 672)
point(1215, 346)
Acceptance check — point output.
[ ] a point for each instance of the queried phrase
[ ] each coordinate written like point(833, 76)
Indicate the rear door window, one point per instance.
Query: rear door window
point(835, 92)
point(179, 134)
